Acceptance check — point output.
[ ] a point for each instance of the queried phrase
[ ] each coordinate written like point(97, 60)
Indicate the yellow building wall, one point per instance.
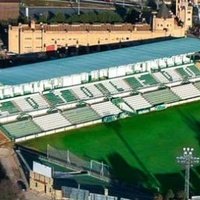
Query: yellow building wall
point(41, 183)
point(33, 40)
point(163, 24)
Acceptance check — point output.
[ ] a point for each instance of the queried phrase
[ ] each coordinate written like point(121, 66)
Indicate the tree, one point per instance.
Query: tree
point(158, 197)
point(59, 18)
point(180, 195)
point(169, 195)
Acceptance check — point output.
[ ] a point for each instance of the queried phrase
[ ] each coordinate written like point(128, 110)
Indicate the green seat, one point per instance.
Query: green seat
point(133, 82)
point(148, 79)
point(68, 95)
point(81, 115)
point(102, 88)
point(194, 69)
point(9, 107)
point(53, 99)
point(21, 128)
point(161, 96)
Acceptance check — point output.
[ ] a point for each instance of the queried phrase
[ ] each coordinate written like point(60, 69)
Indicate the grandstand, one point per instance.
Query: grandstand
point(53, 99)
point(8, 107)
point(147, 79)
point(87, 93)
point(133, 82)
point(21, 128)
point(106, 109)
point(163, 96)
point(186, 91)
point(171, 74)
point(81, 115)
point(137, 102)
point(68, 95)
point(51, 121)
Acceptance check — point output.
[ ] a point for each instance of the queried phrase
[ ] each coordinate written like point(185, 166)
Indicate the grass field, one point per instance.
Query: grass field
point(141, 149)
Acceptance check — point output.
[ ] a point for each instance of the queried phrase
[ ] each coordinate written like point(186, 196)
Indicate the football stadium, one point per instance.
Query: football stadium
point(132, 108)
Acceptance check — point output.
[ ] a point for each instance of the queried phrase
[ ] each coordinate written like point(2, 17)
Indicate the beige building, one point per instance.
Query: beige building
point(28, 38)
point(184, 12)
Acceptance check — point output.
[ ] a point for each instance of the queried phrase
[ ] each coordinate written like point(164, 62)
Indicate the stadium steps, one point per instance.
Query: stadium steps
point(110, 87)
point(68, 95)
point(148, 79)
point(186, 91)
point(51, 121)
point(119, 89)
point(80, 115)
point(197, 85)
point(133, 82)
point(53, 99)
point(106, 109)
point(32, 103)
point(167, 75)
point(159, 76)
point(121, 84)
point(9, 107)
point(21, 128)
point(137, 102)
point(87, 92)
point(194, 69)
point(102, 88)
point(40, 101)
point(161, 96)
point(184, 72)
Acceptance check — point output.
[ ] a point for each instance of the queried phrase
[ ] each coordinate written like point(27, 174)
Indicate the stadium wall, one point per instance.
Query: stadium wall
point(7, 91)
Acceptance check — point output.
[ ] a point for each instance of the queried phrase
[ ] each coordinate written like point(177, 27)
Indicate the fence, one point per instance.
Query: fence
point(75, 162)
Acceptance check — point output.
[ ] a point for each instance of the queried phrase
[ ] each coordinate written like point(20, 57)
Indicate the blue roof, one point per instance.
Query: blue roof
point(95, 61)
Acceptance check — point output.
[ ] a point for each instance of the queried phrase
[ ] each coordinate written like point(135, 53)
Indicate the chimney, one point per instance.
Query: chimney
point(33, 24)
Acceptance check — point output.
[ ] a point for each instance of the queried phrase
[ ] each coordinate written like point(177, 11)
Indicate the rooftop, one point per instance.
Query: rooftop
point(87, 27)
point(96, 61)
point(164, 12)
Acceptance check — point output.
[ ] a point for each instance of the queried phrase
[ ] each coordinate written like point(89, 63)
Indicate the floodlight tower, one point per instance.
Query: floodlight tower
point(188, 160)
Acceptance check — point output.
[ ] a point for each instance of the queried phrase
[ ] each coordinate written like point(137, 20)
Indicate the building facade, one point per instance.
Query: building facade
point(30, 38)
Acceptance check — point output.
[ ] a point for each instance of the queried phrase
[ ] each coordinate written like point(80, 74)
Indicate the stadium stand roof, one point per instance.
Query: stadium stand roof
point(86, 63)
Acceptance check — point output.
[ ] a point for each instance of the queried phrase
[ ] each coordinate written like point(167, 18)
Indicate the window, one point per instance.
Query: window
point(36, 184)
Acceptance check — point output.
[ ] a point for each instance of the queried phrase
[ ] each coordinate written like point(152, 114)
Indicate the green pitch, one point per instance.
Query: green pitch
point(141, 149)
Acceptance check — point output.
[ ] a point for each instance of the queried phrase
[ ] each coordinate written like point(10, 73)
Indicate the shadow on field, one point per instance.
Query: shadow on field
point(130, 181)
point(125, 172)
point(193, 124)
point(173, 181)
point(116, 126)
point(143, 177)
